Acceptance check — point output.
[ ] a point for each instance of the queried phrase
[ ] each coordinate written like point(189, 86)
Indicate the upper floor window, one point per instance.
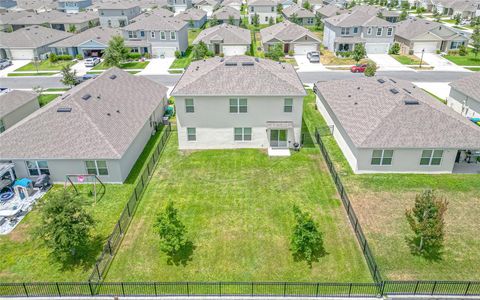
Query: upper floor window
point(379, 31)
point(142, 33)
point(173, 35)
point(123, 13)
point(189, 106)
point(389, 31)
point(238, 105)
point(37, 167)
point(132, 34)
point(369, 30)
point(288, 105)
point(251, 9)
point(355, 29)
point(345, 31)
point(382, 157)
point(96, 167)
point(273, 9)
point(431, 157)
point(162, 35)
point(152, 34)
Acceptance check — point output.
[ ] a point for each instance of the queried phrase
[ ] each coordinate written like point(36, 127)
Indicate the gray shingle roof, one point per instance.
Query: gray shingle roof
point(331, 10)
point(231, 2)
point(225, 12)
point(260, 77)
point(299, 11)
point(285, 31)
point(374, 117)
point(469, 86)
point(117, 5)
point(412, 28)
point(228, 34)
point(99, 34)
point(102, 127)
point(262, 3)
point(9, 16)
point(194, 14)
point(32, 37)
point(357, 18)
point(12, 100)
point(159, 12)
point(157, 23)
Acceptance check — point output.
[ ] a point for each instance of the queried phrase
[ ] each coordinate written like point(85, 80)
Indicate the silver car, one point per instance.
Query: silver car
point(92, 61)
point(5, 63)
point(313, 57)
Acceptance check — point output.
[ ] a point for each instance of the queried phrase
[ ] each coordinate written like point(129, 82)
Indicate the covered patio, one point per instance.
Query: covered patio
point(467, 162)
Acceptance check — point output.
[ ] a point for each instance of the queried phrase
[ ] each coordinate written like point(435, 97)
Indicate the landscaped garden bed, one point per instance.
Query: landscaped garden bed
point(126, 65)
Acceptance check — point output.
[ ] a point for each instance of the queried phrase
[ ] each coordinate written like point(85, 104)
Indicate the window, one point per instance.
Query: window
point(96, 167)
point(142, 33)
point(242, 134)
point(238, 105)
point(288, 105)
point(162, 35)
point(273, 9)
point(379, 31)
point(173, 35)
point(191, 134)
point(2, 126)
point(37, 167)
point(355, 29)
point(456, 45)
point(251, 9)
point(109, 23)
point(431, 157)
point(266, 19)
point(152, 34)
point(382, 157)
point(343, 47)
point(132, 34)
point(389, 31)
point(369, 30)
point(310, 21)
point(189, 107)
point(345, 31)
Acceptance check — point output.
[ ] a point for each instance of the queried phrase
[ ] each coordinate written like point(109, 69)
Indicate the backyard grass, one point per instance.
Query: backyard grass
point(127, 65)
point(45, 65)
point(407, 59)
point(184, 62)
point(329, 58)
point(44, 99)
point(239, 225)
point(31, 74)
point(468, 60)
point(380, 201)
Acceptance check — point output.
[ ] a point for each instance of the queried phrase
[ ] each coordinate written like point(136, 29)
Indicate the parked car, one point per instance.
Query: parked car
point(314, 56)
point(358, 68)
point(92, 61)
point(5, 63)
point(85, 77)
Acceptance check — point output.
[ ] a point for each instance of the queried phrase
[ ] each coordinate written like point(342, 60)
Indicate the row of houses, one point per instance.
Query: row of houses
point(467, 9)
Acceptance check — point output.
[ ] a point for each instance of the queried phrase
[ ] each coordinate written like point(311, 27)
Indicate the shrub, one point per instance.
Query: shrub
point(221, 54)
point(410, 52)
point(79, 56)
point(291, 52)
point(462, 51)
point(64, 57)
point(147, 55)
point(52, 58)
point(438, 51)
point(178, 54)
point(371, 69)
point(395, 49)
point(134, 55)
point(453, 52)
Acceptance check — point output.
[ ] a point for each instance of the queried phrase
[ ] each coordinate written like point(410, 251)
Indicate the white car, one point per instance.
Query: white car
point(92, 61)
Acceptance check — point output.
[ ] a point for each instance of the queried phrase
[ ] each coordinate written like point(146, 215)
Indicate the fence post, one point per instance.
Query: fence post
point(188, 290)
point(120, 227)
point(25, 289)
point(468, 287)
point(123, 289)
point(90, 286)
point(382, 290)
point(284, 289)
point(128, 208)
point(110, 247)
point(350, 290)
point(416, 287)
point(98, 272)
point(252, 288)
point(316, 292)
point(155, 287)
point(220, 287)
point(434, 285)
point(58, 289)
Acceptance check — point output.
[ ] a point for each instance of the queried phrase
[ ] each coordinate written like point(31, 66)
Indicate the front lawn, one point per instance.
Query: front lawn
point(239, 224)
point(407, 59)
point(127, 65)
point(468, 60)
point(45, 65)
point(44, 99)
point(328, 58)
point(31, 74)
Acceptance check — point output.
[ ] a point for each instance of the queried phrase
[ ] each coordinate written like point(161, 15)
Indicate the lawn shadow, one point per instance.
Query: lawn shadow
point(431, 253)
point(318, 252)
point(182, 256)
point(84, 257)
point(307, 136)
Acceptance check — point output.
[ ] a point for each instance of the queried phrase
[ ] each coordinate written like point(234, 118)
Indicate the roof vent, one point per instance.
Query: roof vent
point(411, 102)
point(392, 80)
point(118, 111)
point(108, 114)
point(381, 80)
point(247, 63)
point(64, 109)
point(113, 76)
point(394, 91)
point(407, 91)
point(86, 96)
point(230, 64)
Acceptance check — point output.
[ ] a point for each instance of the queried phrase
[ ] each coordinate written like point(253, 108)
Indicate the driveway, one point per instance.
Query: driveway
point(158, 66)
point(80, 68)
point(15, 65)
point(439, 63)
point(304, 65)
point(387, 63)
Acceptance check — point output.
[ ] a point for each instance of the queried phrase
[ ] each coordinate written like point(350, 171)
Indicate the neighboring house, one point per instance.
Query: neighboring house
point(159, 12)
point(237, 4)
point(90, 42)
point(6, 4)
point(391, 16)
point(228, 14)
point(29, 43)
point(16, 105)
point(467, 9)
point(207, 5)
point(99, 127)
point(117, 14)
point(465, 96)
point(299, 15)
point(195, 17)
point(343, 32)
point(415, 35)
point(79, 21)
point(265, 9)
point(227, 39)
point(37, 6)
point(239, 102)
point(330, 10)
point(160, 37)
point(73, 6)
point(6, 19)
point(284, 3)
point(293, 37)
point(390, 126)
point(179, 5)
point(314, 4)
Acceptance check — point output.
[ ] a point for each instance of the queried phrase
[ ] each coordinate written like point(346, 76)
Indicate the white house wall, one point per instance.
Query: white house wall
point(20, 113)
point(464, 105)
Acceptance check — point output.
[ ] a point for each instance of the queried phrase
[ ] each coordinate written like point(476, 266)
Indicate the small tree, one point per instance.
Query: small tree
point(171, 231)
point(279, 8)
point(352, 4)
point(275, 52)
point(476, 40)
point(271, 21)
point(214, 21)
point(69, 77)
point(116, 52)
point(295, 19)
point(65, 226)
point(191, 24)
point(307, 241)
point(52, 58)
point(255, 20)
point(307, 5)
point(359, 52)
point(371, 69)
point(200, 51)
point(403, 15)
point(426, 219)
point(318, 22)
point(395, 49)
point(231, 20)
point(72, 28)
point(458, 19)
point(380, 15)
point(462, 50)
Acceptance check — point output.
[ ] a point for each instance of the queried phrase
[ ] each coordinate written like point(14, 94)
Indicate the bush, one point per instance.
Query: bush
point(52, 58)
point(438, 51)
point(453, 52)
point(371, 69)
point(64, 57)
point(134, 55)
point(395, 49)
point(178, 54)
point(410, 52)
point(344, 54)
point(221, 54)
point(79, 56)
point(462, 51)
point(147, 55)
point(291, 52)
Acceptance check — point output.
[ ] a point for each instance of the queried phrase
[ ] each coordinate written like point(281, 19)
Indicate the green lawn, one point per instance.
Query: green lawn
point(56, 89)
point(127, 65)
point(468, 60)
point(184, 62)
point(328, 58)
point(44, 99)
point(380, 201)
point(407, 59)
point(239, 225)
point(477, 69)
point(45, 65)
point(31, 74)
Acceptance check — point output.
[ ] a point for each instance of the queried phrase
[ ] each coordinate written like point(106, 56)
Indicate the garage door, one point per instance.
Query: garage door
point(430, 47)
point(22, 53)
point(377, 48)
point(164, 51)
point(234, 50)
point(304, 49)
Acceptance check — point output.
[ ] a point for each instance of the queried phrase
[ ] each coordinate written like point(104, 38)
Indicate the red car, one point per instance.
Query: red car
point(358, 68)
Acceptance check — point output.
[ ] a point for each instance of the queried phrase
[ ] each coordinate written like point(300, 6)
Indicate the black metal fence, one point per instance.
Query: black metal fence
point(103, 262)
point(372, 265)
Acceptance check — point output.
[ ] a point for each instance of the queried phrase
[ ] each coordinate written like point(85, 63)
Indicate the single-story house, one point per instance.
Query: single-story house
point(257, 103)
point(467, 9)
point(227, 39)
point(73, 6)
point(464, 96)
point(99, 127)
point(37, 6)
point(16, 105)
point(7, 17)
point(314, 4)
point(55, 19)
point(228, 15)
point(117, 14)
point(384, 125)
point(30, 42)
point(299, 15)
point(207, 5)
point(237, 4)
point(417, 35)
point(293, 37)
point(195, 17)
point(159, 12)
point(90, 42)
point(330, 10)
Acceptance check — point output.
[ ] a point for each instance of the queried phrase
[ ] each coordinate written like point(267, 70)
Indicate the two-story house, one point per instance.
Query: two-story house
point(207, 5)
point(266, 10)
point(73, 6)
point(299, 15)
point(344, 31)
point(239, 102)
point(117, 14)
point(160, 37)
point(179, 5)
